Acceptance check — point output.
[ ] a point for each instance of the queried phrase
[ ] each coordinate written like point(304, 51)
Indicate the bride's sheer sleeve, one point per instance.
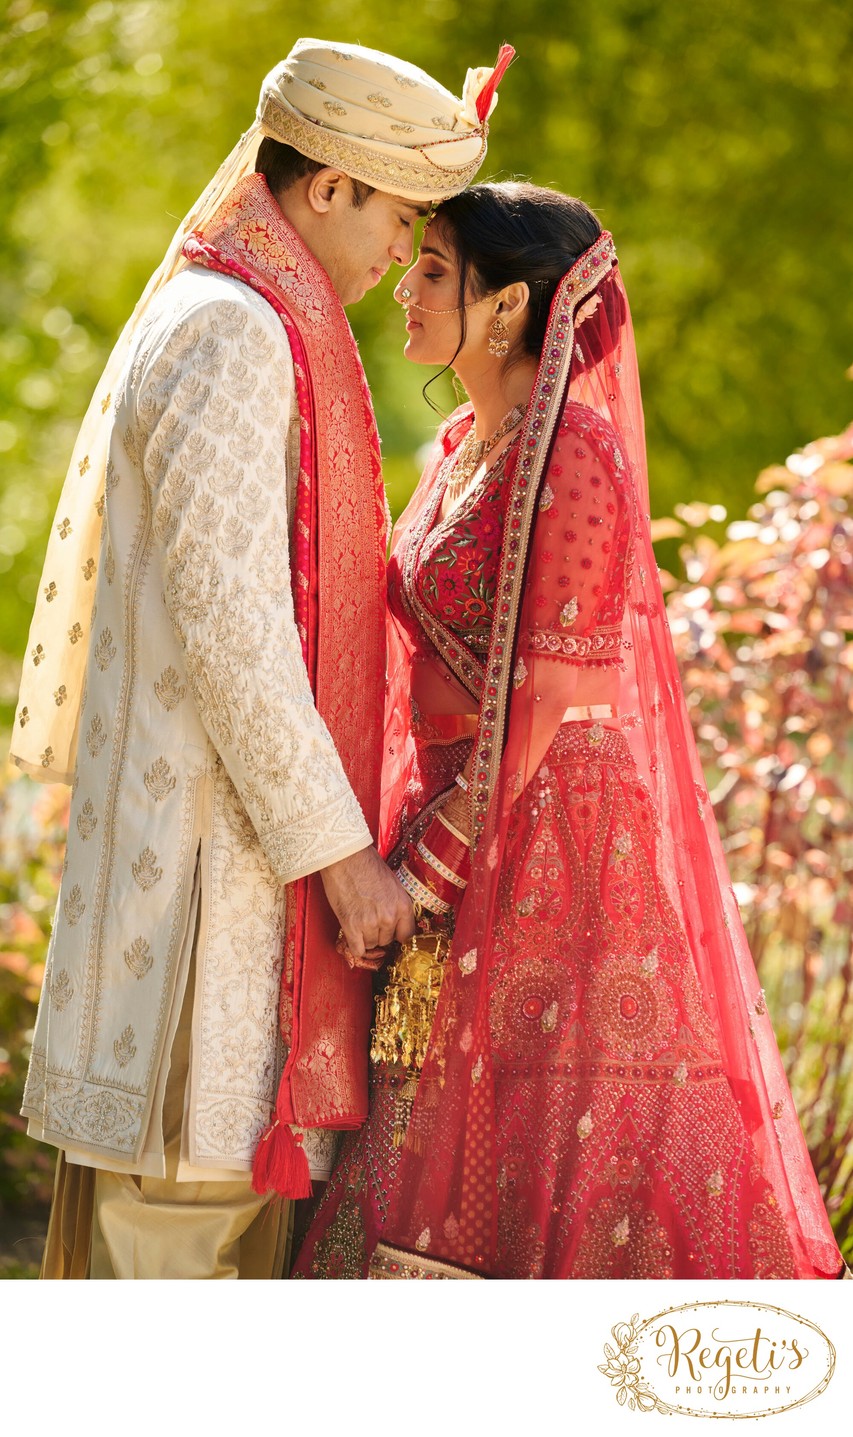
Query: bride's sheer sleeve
point(570, 629)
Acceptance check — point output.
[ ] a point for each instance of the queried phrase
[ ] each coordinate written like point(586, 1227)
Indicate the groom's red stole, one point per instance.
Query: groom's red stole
point(338, 573)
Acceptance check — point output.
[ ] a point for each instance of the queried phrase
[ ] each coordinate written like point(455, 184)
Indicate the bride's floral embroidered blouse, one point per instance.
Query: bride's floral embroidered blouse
point(449, 568)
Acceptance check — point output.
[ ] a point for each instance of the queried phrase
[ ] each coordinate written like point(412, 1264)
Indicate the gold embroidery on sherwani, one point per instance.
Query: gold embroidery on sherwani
point(207, 514)
point(124, 1048)
point(159, 780)
point(95, 736)
point(138, 958)
point(145, 870)
point(61, 990)
point(169, 689)
point(86, 820)
point(253, 504)
point(74, 907)
point(235, 538)
point(105, 650)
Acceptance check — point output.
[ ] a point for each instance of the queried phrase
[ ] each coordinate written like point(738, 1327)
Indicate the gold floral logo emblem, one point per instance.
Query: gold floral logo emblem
point(718, 1359)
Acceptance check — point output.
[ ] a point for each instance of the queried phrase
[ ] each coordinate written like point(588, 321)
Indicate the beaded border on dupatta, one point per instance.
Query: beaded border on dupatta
point(546, 400)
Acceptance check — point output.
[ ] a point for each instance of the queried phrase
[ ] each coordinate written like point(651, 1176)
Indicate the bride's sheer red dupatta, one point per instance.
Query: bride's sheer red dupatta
point(579, 618)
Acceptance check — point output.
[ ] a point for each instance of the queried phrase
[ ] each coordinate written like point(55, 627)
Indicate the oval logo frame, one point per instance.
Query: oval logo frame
point(724, 1358)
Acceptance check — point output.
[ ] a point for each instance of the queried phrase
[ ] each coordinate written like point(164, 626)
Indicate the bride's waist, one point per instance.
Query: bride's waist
point(435, 690)
point(453, 726)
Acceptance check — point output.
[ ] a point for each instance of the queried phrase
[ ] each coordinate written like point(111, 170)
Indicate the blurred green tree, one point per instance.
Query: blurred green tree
point(713, 140)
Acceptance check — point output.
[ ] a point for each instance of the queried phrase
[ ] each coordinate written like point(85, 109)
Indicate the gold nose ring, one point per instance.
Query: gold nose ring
point(405, 294)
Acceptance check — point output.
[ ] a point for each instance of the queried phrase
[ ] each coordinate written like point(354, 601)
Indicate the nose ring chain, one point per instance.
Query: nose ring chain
point(407, 303)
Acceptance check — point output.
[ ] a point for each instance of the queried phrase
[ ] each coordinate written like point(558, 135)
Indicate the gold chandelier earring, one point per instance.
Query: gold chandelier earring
point(498, 338)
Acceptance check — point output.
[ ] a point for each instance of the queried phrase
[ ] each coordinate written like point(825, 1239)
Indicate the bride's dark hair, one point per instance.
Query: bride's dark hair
point(505, 232)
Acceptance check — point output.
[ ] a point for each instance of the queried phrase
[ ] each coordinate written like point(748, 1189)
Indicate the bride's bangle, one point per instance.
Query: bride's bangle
point(451, 828)
point(462, 782)
point(440, 867)
point(419, 892)
point(437, 866)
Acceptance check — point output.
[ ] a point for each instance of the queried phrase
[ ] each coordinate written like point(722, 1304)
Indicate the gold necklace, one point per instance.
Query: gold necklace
point(473, 451)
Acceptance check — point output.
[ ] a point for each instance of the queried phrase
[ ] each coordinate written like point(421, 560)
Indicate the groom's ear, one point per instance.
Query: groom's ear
point(323, 188)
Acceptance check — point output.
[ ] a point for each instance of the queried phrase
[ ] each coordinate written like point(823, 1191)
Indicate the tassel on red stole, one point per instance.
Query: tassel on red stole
point(281, 1164)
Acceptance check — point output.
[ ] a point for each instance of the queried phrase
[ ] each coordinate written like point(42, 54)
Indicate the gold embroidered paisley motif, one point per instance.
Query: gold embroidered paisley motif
point(95, 736)
point(138, 958)
point(86, 820)
point(61, 990)
point(124, 1047)
point(74, 907)
point(169, 689)
point(105, 650)
point(159, 780)
point(145, 870)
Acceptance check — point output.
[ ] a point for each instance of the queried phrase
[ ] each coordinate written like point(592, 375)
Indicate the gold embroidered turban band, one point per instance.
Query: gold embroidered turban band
point(379, 119)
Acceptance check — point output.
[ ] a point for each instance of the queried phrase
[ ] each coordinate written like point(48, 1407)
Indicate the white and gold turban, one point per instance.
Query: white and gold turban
point(378, 119)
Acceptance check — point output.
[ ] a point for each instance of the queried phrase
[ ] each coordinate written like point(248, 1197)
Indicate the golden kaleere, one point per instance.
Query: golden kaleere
point(404, 1016)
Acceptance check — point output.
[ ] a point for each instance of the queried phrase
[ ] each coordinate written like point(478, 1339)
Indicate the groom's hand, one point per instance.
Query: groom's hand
point(370, 904)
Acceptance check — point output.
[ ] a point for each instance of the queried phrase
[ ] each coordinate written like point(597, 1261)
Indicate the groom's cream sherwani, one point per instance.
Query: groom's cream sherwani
point(206, 780)
point(224, 504)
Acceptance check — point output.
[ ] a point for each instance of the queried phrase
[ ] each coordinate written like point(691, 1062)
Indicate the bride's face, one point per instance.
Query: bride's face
point(429, 293)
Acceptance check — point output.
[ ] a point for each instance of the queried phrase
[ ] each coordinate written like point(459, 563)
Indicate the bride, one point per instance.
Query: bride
point(573, 1070)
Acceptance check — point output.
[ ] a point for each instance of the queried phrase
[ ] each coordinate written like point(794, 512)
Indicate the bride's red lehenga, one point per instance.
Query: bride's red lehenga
point(602, 1096)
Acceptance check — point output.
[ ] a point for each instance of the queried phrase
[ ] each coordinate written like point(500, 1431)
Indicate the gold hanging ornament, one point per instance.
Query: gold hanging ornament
point(405, 1013)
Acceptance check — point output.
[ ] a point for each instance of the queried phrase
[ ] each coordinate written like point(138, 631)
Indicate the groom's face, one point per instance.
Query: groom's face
point(363, 241)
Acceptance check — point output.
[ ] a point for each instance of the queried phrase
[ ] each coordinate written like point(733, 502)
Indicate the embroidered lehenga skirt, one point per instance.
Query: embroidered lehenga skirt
point(621, 1150)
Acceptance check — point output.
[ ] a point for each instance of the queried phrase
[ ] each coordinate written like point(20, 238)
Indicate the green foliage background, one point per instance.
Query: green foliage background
point(712, 138)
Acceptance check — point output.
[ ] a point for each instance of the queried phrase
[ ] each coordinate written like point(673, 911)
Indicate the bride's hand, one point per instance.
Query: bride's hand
point(587, 310)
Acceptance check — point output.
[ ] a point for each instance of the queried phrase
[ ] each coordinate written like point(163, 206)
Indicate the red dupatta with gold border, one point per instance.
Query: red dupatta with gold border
point(338, 577)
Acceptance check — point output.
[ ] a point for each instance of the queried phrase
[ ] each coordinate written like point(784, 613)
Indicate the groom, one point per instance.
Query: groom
point(223, 726)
